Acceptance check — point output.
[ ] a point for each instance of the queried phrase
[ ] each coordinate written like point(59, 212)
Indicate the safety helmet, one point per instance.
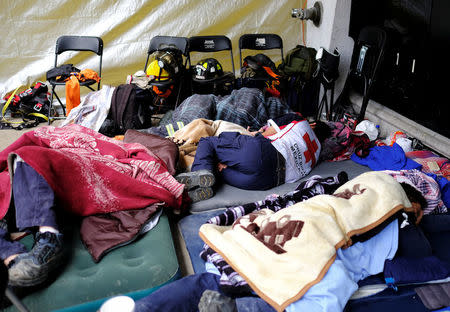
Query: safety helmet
point(163, 69)
point(207, 69)
point(155, 72)
point(169, 60)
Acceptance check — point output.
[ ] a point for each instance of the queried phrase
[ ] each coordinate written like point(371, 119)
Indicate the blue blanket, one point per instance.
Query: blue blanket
point(387, 158)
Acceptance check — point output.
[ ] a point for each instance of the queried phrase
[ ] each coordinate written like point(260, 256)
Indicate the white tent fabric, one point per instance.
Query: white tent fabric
point(126, 27)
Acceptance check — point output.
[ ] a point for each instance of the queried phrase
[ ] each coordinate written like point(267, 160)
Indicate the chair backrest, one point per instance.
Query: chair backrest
point(211, 44)
point(80, 43)
point(161, 42)
point(373, 38)
point(260, 42)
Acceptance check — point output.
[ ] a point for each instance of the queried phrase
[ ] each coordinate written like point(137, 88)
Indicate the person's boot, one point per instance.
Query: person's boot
point(32, 268)
point(203, 178)
point(200, 193)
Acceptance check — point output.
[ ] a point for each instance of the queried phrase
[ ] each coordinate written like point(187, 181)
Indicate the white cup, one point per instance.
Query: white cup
point(118, 304)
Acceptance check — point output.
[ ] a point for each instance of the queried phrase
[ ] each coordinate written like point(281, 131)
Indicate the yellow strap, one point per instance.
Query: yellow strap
point(8, 102)
point(180, 124)
point(39, 115)
point(170, 130)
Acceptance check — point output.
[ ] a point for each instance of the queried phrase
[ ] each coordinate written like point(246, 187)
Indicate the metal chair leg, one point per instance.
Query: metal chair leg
point(15, 301)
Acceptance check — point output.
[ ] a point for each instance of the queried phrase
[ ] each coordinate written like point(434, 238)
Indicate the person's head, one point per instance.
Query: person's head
point(417, 200)
point(322, 130)
point(414, 195)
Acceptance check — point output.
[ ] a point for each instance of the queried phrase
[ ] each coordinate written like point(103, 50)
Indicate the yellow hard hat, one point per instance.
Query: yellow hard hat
point(154, 71)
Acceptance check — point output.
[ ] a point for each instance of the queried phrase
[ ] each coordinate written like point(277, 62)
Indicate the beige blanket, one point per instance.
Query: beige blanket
point(281, 255)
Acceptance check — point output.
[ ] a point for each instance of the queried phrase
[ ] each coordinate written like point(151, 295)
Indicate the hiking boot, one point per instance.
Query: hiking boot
point(32, 268)
point(200, 193)
point(202, 178)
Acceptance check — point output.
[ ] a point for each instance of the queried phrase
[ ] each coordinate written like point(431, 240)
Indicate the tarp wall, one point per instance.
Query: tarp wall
point(126, 27)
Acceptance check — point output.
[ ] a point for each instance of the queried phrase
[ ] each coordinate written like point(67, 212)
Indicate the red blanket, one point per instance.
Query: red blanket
point(91, 173)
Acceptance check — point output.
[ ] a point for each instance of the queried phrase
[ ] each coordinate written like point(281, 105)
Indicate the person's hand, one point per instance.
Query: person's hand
point(221, 166)
point(416, 209)
point(269, 131)
point(253, 133)
point(418, 212)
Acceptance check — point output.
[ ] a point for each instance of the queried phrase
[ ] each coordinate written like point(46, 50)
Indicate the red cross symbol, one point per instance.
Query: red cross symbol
point(310, 153)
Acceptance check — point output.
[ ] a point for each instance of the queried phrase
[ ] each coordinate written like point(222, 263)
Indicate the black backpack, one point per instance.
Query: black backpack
point(130, 109)
point(299, 67)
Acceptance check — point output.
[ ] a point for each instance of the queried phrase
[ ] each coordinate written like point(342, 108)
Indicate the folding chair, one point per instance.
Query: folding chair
point(260, 42)
point(368, 54)
point(76, 43)
point(257, 42)
point(167, 43)
point(163, 42)
point(371, 44)
point(211, 44)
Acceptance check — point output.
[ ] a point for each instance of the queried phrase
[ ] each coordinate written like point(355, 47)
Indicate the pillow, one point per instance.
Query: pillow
point(437, 231)
point(431, 163)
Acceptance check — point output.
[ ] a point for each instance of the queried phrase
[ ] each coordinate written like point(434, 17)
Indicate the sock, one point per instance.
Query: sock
point(50, 229)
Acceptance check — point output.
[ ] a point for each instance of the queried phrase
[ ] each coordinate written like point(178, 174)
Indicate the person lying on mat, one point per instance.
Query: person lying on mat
point(52, 171)
point(270, 157)
point(34, 204)
point(204, 292)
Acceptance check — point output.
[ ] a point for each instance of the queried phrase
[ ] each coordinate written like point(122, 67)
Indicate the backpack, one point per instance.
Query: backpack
point(129, 110)
point(259, 71)
point(300, 62)
point(299, 67)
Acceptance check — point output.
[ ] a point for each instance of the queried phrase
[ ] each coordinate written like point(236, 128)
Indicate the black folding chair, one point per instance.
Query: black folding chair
point(368, 54)
point(162, 43)
point(260, 42)
point(75, 43)
point(371, 42)
point(211, 44)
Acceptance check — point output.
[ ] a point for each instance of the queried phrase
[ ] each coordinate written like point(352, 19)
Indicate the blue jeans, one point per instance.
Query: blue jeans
point(183, 295)
point(34, 206)
point(252, 162)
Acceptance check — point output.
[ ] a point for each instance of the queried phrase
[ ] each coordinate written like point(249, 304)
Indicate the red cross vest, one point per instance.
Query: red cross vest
point(299, 146)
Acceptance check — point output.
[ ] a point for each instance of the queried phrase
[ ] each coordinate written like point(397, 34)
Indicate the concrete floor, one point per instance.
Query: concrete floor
point(8, 136)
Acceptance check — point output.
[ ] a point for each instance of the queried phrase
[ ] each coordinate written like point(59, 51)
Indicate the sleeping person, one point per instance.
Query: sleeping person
point(205, 291)
point(79, 171)
point(268, 158)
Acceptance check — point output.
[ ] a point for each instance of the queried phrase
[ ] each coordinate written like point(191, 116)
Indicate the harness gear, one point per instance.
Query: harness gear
point(21, 104)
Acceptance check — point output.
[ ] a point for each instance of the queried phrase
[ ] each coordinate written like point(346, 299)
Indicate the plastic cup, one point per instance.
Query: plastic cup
point(118, 304)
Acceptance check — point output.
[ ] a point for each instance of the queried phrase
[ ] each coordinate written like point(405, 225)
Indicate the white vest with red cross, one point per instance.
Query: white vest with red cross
point(299, 146)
